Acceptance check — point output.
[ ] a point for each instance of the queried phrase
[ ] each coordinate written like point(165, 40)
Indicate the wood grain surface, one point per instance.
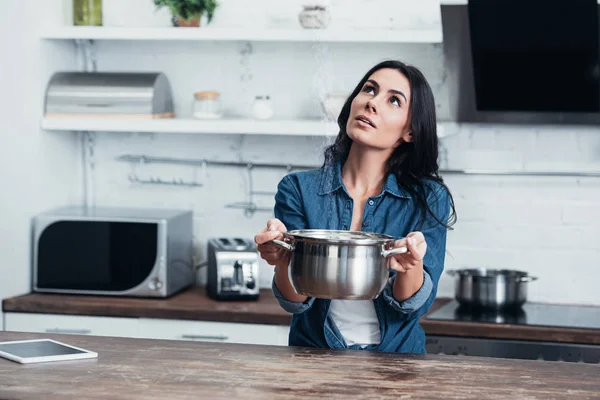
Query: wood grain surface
point(140, 369)
point(192, 304)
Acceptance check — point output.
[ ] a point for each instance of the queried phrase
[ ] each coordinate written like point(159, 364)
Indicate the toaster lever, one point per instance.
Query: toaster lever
point(238, 273)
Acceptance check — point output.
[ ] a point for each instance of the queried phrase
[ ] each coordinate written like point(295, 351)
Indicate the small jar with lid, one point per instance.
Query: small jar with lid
point(207, 105)
point(262, 108)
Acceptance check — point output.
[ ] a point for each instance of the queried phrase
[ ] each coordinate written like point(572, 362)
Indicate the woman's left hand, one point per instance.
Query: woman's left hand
point(413, 259)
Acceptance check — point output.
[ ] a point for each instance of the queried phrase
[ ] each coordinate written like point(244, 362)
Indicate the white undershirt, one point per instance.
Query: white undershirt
point(356, 320)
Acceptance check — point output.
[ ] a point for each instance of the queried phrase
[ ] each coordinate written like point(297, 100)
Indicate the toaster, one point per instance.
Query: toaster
point(232, 269)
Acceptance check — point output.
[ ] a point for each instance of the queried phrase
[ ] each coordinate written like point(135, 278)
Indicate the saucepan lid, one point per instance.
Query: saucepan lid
point(327, 236)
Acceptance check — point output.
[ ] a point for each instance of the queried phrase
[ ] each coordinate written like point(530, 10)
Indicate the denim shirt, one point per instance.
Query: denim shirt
point(318, 199)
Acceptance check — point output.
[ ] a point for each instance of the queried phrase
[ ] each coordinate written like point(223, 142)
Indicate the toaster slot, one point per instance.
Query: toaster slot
point(238, 273)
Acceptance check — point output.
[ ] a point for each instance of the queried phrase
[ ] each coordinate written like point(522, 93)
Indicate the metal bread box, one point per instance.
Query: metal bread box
point(109, 94)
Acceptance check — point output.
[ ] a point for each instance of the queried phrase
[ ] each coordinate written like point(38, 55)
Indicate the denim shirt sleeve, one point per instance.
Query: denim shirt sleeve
point(433, 262)
point(413, 303)
point(290, 211)
point(291, 306)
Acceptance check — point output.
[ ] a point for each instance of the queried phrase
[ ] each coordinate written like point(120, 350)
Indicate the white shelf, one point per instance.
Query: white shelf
point(194, 126)
point(460, 2)
point(265, 35)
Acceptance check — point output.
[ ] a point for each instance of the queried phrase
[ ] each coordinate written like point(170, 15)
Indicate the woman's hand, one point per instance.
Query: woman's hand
point(408, 266)
point(271, 253)
point(278, 257)
point(413, 259)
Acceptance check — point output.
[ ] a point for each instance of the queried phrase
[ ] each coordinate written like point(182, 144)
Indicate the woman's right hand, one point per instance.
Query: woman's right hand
point(272, 254)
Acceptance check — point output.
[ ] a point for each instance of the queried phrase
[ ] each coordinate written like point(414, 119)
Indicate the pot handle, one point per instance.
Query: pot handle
point(528, 279)
point(393, 252)
point(283, 245)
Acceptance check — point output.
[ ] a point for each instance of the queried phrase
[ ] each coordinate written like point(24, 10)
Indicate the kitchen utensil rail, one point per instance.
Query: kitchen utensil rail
point(199, 162)
point(289, 167)
point(133, 178)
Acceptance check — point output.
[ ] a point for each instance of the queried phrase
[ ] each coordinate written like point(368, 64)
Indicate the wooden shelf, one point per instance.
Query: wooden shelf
point(306, 127)
point(265, 35)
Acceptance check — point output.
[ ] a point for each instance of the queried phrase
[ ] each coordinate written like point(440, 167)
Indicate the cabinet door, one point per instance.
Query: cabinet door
point(71, 324)
point(209, 331)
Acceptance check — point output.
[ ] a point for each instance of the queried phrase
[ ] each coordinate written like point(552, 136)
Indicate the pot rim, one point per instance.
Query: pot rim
point(489, 273)
point(332, 236)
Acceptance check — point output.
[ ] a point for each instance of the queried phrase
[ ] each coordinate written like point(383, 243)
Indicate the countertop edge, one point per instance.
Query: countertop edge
point(251, 313)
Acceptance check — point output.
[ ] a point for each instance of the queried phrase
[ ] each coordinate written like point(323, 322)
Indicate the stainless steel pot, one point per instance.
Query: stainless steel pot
point(335, 264)
point(491, 288)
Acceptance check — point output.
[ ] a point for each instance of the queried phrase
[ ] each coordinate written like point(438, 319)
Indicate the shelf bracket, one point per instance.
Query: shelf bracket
point(88, 167)
point(86, 53)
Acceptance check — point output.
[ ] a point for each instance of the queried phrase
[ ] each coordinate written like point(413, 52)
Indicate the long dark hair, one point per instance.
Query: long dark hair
point(412, 163)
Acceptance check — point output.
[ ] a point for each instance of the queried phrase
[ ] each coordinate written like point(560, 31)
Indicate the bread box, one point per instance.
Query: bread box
point(109, 94)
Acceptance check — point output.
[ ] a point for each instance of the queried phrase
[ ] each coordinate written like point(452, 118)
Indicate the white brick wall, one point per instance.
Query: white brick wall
point(534, 224)
point(546, 226)
point(37, 170)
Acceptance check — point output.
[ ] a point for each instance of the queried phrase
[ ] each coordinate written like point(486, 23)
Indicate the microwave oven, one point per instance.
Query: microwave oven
point(112, 251)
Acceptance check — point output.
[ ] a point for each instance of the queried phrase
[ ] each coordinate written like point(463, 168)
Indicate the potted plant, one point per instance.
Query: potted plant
point(188, 12)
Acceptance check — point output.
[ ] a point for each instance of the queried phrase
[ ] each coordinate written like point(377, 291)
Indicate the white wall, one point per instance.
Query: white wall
point(37, 169)
point(547, 226)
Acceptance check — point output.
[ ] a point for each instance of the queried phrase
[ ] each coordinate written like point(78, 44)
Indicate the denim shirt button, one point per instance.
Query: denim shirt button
point(371, 202)
point(365, 223)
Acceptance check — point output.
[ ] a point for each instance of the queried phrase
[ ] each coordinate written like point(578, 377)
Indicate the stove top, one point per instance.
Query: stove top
point(532, 314)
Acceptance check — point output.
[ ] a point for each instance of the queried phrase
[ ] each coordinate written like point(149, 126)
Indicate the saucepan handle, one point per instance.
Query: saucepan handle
point(527, 278)
point(393, 252)
point(283, 245)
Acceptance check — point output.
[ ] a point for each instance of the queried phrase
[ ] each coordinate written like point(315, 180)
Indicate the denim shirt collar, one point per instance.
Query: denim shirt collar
point(331, 181)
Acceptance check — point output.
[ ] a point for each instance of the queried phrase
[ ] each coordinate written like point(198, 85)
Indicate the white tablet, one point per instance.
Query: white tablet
point(42, 350)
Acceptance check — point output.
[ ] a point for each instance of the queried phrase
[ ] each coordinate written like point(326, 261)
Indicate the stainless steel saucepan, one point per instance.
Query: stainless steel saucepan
point(334, 264)
point(491, 288)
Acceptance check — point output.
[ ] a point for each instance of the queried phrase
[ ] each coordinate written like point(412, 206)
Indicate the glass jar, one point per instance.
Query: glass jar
point(87, 12)
point(207, 105)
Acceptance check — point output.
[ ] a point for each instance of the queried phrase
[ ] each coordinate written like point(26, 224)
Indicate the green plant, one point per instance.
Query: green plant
point(187, 9)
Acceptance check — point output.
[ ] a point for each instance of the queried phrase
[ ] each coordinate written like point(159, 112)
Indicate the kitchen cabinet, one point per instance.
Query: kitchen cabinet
point(71, 324)
point(208, 331)
point(149, 328)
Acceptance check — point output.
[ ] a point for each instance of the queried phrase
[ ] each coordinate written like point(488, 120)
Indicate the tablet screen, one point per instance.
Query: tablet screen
point(43, 348)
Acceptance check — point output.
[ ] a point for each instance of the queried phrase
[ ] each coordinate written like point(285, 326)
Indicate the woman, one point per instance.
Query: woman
point(380, 175)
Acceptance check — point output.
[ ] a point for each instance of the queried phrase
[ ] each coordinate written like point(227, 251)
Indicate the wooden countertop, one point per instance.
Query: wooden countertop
point(193, 304)
point(139, 369)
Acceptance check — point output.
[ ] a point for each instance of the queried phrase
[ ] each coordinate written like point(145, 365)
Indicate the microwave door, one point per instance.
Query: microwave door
point(95, 256)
